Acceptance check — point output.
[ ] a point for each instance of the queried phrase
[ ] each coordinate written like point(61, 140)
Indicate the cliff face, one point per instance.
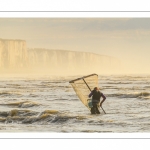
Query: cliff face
point(61, 61)
point(14, 55)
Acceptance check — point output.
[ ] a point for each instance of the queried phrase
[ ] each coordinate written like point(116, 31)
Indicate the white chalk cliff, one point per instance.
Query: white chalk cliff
point(15, 54)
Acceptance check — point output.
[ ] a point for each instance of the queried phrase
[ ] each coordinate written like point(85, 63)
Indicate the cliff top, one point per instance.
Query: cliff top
point(12, 40)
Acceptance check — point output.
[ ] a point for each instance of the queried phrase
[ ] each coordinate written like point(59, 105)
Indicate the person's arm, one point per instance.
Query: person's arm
point(91, 94)
point(103, 99)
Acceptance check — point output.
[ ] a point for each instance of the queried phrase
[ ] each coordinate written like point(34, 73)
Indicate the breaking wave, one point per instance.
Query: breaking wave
point(23, 104)
point(29, 117)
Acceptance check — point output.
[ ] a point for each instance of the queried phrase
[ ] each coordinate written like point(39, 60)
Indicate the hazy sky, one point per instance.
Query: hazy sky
point(125, 38)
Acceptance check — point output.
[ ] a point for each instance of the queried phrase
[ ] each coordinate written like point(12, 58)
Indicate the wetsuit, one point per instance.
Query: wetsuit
point(96, 95)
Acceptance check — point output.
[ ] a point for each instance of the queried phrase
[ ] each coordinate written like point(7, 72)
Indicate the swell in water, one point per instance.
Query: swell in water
point(130, 95)
point(48, 104)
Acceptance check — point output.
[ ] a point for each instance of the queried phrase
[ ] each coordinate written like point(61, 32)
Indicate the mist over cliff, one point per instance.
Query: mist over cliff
point(16, 57)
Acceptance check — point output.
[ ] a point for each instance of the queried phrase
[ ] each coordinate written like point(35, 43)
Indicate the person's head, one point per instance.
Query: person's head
point(96, 88)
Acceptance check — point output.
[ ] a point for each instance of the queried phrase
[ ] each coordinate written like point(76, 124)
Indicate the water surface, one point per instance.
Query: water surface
point(49, 104)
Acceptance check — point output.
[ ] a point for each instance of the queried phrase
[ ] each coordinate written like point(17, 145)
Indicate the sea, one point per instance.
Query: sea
point(49, 104)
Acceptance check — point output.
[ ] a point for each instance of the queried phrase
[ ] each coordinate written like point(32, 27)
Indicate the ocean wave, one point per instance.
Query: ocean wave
point(12, 85)
point(15, 115)
point(25, 116)
point(10, 94)
point(16, 112)
point(110, 87)
point(125, 77)
point(146, 87)
point(146, 98)
point(32, 95)
point(23, 104)
point(129, 95)
point(2, 119)
point(118, 82)
point(29, 117)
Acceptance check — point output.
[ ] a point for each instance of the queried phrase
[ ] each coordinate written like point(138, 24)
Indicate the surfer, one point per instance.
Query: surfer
point(96, 95)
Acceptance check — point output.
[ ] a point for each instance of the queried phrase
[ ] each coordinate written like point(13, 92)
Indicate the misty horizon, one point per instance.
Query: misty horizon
point(126, 39)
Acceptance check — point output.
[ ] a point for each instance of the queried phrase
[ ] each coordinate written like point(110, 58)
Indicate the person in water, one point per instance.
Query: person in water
point(96, 95)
